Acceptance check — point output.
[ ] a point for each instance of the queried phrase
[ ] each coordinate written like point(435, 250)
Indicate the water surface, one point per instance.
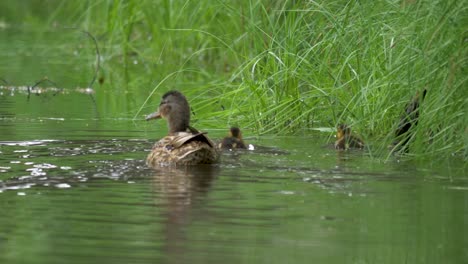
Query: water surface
point(78, 191)
point(74, 188)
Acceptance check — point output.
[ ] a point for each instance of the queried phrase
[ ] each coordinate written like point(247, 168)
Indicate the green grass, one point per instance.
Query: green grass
point(285, 67)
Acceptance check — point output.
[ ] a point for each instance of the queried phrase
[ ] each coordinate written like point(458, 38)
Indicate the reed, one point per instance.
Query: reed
point(286, 67)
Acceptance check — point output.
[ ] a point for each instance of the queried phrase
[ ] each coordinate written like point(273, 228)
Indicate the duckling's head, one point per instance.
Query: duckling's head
point(342, 130)
point(235, 132)
point(175, 109)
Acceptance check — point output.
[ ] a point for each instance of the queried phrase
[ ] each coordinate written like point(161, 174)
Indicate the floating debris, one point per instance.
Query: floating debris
point(63, 185)
point(45, 166)
point(287, 192)
point(42, 90)
point(26, 143)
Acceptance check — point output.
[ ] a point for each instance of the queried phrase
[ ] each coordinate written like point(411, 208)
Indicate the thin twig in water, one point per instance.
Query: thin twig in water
point(30, 88)
point(98, 54)
point(98, 64)
point(43, 80)
point(4, 81)
point(98, 57)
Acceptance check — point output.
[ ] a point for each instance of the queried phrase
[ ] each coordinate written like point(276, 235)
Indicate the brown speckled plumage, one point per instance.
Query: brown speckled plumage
point(184, 145)
point(345, 140)
point(234, 140)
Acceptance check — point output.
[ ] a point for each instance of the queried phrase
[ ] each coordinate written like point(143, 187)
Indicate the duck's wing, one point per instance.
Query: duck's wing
point(184, 137)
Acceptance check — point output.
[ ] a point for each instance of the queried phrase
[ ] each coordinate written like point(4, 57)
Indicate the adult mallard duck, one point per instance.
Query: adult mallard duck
point(184, 145)
point(233, 140)
point(346, 140)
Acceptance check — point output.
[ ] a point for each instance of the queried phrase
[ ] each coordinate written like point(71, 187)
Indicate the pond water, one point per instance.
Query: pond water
point(74, 188)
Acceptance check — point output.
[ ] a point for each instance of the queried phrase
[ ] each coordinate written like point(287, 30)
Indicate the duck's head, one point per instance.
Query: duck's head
point(342, 130)
point(175, 109)
point(235, 132)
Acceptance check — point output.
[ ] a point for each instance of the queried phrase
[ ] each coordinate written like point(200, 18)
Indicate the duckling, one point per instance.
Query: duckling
point(184, 145)
point(346, 140)
point(409, 118)
point(233, 141)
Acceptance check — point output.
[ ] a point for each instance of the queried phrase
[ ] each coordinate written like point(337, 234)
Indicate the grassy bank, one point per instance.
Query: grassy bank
point(285, 67)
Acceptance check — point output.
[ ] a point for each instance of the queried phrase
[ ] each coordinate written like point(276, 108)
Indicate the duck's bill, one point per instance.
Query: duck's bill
point(155, 115)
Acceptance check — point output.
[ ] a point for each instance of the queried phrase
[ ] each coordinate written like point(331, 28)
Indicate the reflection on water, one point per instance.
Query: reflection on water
point(88, 200)
point(180, 190)
point(74, 188)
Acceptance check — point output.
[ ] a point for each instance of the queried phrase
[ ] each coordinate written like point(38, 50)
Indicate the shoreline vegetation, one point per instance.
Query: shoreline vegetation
point(285, 67)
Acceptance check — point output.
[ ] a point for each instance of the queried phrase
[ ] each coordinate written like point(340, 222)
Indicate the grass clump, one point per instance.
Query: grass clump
point(285, 67)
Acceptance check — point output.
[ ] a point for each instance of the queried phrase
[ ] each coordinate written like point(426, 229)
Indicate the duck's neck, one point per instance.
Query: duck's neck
point(177, 125)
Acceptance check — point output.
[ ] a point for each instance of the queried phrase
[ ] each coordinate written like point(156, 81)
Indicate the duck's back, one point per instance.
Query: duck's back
point(184, 148)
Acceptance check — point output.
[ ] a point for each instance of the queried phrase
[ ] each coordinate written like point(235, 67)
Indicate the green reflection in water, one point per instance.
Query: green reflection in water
point(256, 207)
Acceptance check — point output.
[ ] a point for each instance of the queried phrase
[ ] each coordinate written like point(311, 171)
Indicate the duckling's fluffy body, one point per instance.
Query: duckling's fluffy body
point(346, 140)
point(234, 140)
